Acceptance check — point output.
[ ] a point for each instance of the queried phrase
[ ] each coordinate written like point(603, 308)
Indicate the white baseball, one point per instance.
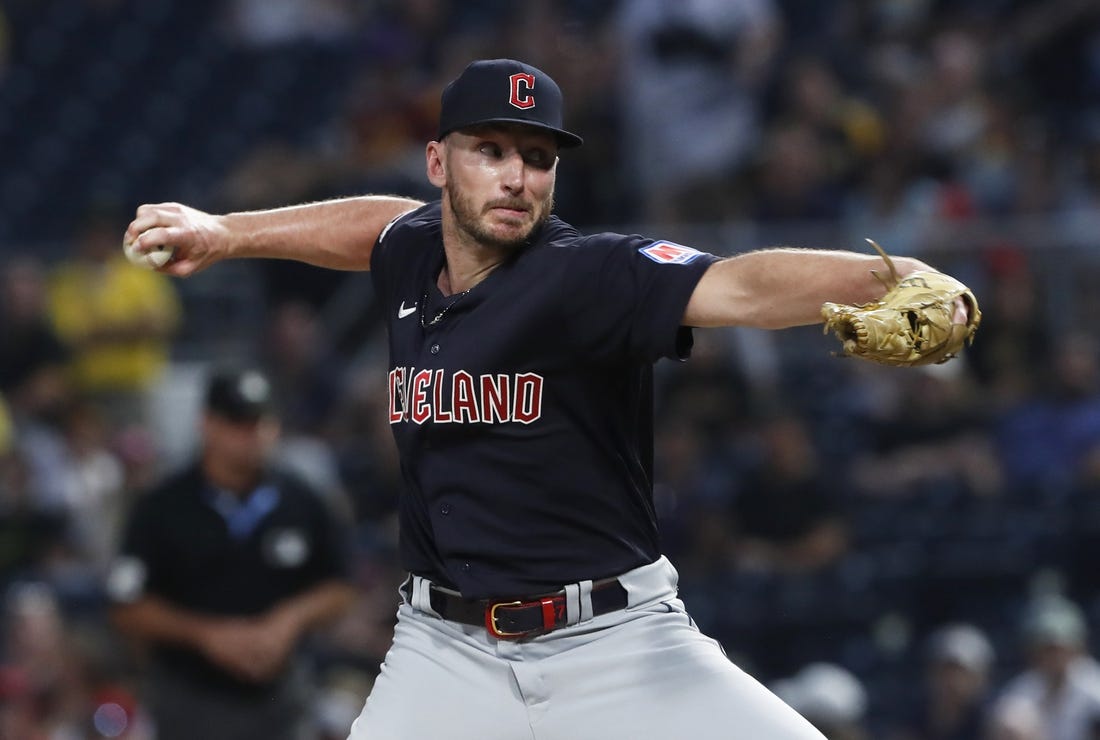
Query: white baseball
point(156, 257)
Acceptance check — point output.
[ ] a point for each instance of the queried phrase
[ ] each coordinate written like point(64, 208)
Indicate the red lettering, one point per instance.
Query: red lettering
point(494, 398)
point(405, 388)
point(528, 398)
point(421, 409)
point(419, 396)
point(396, 387)
point(442, 416)
point(463, 398)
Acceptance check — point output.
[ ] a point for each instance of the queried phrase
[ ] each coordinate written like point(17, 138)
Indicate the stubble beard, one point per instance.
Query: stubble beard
point(468, 218)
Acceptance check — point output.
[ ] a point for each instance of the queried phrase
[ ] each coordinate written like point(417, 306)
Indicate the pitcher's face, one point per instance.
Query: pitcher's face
point(498, 181)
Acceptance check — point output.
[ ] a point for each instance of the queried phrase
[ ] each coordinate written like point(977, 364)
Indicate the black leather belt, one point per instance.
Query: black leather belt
point(513, 620)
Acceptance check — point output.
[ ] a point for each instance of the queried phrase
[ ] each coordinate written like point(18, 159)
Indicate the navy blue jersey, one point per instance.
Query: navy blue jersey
point(523, 409)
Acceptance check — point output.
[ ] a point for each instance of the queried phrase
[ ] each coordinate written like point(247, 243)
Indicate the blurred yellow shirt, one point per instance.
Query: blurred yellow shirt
point(118, 320)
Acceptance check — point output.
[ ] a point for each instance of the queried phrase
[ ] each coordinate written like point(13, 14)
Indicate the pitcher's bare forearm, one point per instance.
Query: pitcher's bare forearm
point(778, 288)
point(337, 234)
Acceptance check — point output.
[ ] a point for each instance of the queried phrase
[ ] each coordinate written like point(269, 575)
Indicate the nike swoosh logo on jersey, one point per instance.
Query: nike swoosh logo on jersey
point(403, 312)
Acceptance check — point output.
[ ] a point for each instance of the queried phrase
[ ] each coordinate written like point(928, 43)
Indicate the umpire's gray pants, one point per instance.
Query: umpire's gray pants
point(185, 710)
point(644, 672)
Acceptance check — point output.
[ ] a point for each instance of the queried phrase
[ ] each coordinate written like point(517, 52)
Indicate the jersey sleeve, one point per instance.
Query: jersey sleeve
point(389, 260)
point(631, 293)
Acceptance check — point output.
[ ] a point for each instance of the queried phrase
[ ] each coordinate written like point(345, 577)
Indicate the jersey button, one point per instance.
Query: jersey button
point(466, 567)
point(434, 349)
point(444, 509)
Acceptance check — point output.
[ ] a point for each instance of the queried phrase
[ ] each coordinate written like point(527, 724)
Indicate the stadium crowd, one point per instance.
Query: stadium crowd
point(901, 554)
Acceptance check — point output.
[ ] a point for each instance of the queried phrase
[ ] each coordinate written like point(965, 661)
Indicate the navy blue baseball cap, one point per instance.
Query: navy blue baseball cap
point(239, 394)
point(504, 91)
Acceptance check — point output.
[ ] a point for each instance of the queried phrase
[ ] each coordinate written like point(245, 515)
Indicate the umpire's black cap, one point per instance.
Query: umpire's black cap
point(239, 394)
point(504, 91)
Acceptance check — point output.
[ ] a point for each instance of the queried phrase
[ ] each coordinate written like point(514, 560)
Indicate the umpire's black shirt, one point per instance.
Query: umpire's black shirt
point(202, 550)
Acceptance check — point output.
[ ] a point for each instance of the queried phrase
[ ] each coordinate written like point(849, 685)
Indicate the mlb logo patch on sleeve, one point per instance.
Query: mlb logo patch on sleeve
point(667, 253)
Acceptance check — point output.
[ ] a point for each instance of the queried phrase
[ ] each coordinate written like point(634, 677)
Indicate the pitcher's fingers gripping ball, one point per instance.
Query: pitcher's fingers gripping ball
point(913, 324)
point(157, 257)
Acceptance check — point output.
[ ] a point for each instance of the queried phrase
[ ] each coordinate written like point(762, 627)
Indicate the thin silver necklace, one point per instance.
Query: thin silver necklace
point(443, 310)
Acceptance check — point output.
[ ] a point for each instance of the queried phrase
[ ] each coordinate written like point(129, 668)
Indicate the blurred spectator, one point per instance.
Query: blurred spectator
point(892, 199)
point(934, 440)
point(95, 489)
point(830, 697)
point(821, 138)
point(954, 114)
point(1053, 45)
point(1015, 719)
point(1048, 440)
point(1080, 211)
point(57, 676)
point(689, 79)
point(943, 159)
point(956, 690)
point(305, 374)
point(714, 391)
point(851, 128)
point(795, 181)
point(1062, 681)
point(365, 450)
point(788, 515)
point(40, 666)
point(67, 471)
point(117, 319)
point(271, 23)
point(27, 532)
point(297, 358)
point(224, 569)
point(1014, 332)
point(699, 447)
point(32, 357)
point(691, 495)
point(18, 713)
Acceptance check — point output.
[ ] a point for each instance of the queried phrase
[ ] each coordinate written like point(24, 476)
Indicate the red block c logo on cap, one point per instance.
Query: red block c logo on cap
point(523, 85)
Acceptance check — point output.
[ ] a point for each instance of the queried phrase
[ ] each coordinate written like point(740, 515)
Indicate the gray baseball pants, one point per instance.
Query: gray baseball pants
point(643, 672)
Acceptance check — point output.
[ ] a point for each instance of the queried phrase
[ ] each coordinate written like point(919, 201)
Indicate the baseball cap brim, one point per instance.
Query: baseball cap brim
point(566, 139)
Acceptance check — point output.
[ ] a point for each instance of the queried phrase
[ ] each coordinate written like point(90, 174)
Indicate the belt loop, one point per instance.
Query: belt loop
point(421, 595)
point(578, 602)
point(573, 603)
point(586, 600)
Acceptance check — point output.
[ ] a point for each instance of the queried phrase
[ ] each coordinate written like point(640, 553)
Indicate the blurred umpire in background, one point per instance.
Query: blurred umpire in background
point(223, 569)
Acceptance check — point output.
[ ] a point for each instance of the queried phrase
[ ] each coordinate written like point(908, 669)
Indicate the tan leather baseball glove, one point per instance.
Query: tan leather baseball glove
point(910, 325)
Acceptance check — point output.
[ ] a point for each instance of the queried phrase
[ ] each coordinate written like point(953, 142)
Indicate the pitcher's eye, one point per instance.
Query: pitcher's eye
point(538, 158)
